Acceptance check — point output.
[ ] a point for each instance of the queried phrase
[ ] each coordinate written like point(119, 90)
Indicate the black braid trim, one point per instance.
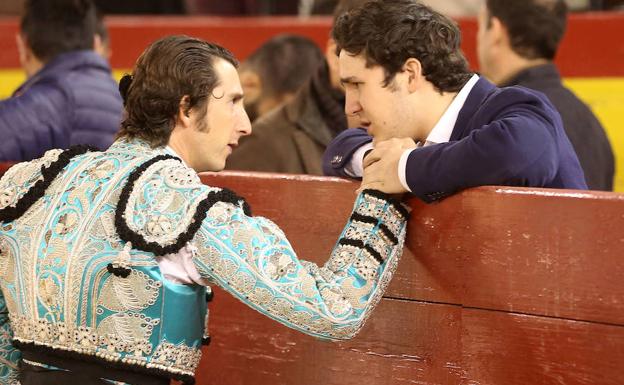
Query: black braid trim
point(374, 253)
point(351, 242)
point(384, 229)
point(398, 206)
point(360, 245)
point(186, 379)
point(11, 213)
point(119, 271)
point(364, 218)
point(138, 242)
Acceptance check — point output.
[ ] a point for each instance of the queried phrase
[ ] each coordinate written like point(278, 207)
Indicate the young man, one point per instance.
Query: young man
point(70, 97)
point(517, 42)
point(106, 255)
point(408, 83)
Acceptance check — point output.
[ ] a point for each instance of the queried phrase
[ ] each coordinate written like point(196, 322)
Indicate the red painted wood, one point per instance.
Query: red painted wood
point(402, 343)
point(409, 342)
point(512, 349)
point(545, 252)
point(4, 166)
point(592, 46)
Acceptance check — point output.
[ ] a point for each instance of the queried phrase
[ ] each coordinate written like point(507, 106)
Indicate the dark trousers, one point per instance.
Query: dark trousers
point(79, 372)
point(35, 375)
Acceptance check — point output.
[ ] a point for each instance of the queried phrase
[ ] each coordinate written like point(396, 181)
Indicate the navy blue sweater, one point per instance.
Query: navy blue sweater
point(72, 100)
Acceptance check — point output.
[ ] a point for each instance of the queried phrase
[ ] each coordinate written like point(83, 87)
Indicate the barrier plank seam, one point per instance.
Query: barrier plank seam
point(502, 311)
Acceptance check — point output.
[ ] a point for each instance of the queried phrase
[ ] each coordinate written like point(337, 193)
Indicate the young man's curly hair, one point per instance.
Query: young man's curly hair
point(388, 32)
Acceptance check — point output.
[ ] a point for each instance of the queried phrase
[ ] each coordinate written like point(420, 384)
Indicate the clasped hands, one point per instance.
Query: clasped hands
point(382, 163)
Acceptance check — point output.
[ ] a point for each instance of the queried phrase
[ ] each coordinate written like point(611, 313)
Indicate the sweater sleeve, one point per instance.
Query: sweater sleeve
point(33, 122)
point(340, 151)
point(517, 148)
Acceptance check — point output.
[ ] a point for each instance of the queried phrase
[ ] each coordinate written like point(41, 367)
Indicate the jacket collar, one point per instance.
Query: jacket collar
point(66, 62)
point(475, 99)
point(543, 73)
point(138, 147)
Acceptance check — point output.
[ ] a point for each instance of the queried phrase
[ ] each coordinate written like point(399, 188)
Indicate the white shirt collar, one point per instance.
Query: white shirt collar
point(441, 132)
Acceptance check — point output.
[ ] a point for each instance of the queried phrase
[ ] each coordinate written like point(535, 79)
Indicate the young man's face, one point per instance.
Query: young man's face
point(224, 123)
point(379, 109)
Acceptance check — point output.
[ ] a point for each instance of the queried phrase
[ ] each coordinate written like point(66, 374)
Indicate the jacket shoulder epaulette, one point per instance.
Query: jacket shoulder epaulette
point(163, 204)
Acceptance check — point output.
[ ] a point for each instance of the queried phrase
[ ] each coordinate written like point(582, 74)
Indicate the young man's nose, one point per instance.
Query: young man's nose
point(352, 104)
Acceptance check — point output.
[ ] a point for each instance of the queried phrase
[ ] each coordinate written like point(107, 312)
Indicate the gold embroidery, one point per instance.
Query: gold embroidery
point(132, 329)
point(134, 293)
point(172, 358)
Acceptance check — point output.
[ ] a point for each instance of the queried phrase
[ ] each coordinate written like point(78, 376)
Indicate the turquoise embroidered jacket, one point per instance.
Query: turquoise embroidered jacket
point(79, 234)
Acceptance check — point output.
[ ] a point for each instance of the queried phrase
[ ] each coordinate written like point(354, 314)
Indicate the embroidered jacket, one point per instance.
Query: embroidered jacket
point(80, 232)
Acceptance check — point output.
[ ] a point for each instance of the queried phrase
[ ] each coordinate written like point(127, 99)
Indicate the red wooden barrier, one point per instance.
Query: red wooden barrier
point(592, 46)
point(496, 286)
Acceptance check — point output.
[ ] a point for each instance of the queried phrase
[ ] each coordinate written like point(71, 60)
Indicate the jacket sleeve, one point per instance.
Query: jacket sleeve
point(518, 148)
point(251, 258)
point(340, 150)
point(9, 356)
point(33, 122)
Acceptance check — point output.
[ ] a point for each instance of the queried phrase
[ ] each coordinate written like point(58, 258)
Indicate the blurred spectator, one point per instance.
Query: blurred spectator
point(11, 7)
point(276, 71)
point(69, 97)
point(293, 137)
point(242, 7)
point(607, 4)
point(317, 7)
point(516, 43)
point(154, 7)
point(101, 44)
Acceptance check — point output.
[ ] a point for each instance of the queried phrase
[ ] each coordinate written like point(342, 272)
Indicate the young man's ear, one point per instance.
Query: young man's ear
point(184, 112)
point(101, 47)
point(332, 64)
point(22, 49)
point(412, 70)
point(497, 31)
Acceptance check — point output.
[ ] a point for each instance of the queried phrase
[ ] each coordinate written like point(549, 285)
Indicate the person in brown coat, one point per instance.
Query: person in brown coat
point(292, 138)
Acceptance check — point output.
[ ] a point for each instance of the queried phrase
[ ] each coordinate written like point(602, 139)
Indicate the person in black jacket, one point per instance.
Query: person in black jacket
point(517, 41)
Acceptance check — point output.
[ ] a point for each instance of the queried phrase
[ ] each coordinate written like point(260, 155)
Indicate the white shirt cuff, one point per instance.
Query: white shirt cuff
point(402, 168)
point(355, 167)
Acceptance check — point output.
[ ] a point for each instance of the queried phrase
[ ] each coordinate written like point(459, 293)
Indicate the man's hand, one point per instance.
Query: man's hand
point(381, 166)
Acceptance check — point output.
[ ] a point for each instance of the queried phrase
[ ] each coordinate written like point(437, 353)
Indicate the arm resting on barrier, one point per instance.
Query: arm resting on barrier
point(251, 258)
